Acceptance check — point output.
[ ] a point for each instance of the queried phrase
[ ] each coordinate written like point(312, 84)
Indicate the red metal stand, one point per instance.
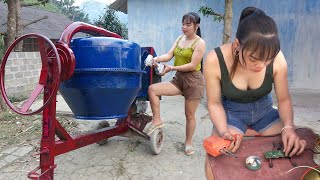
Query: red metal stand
point(50, 148)
point(151, 69)
point(58, 64)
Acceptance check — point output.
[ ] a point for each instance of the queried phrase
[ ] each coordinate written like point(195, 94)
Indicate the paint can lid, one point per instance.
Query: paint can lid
point(253, 163)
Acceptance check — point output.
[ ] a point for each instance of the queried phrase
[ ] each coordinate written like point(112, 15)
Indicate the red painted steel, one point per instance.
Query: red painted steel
point(53, 77)
point(67, 58)
point(75, 27)
point(59, 65)
point(51, 127)
point(151, 68)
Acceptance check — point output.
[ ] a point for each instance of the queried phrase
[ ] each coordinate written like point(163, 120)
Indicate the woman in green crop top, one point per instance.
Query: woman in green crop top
point(188, 51)
point(239, 78)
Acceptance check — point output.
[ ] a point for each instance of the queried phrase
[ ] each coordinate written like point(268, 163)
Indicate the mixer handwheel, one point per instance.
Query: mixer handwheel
point(49, 74)
point(67, 58)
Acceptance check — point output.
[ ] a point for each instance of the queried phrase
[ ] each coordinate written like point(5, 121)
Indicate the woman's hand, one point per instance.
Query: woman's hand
point(167, 68)
point(292, 143)
point(235, 141)
point(154, 61)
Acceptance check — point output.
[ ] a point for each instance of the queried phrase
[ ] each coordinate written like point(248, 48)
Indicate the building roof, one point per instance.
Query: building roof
point(52, 27)
point(120, 5)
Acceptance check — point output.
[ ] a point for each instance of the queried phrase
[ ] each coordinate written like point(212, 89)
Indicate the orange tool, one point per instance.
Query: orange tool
point(216, 146)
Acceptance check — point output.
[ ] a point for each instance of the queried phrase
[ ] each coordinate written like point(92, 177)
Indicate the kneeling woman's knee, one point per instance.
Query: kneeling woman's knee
point(208, 170)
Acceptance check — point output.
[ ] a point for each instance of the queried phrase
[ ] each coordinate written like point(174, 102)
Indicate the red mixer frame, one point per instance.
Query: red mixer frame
point(58, 64)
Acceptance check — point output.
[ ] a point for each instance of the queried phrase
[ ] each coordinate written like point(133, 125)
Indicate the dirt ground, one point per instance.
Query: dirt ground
point(17, 130)
point(306, 106)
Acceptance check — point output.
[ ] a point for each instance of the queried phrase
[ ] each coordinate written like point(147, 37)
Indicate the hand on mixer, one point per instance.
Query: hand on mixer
point(158, 67)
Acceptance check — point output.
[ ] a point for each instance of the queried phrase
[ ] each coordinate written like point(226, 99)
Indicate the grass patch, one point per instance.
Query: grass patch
point(7, 116)
point(18, 98)
point(17, 130)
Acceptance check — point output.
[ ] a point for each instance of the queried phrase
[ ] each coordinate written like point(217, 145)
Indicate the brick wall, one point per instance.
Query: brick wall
point(22, 73)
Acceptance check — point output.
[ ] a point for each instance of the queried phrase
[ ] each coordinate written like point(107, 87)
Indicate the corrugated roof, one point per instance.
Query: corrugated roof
point(52, 27)
point(120, 5)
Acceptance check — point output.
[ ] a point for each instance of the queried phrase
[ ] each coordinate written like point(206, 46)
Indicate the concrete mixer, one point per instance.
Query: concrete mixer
point(100, 77)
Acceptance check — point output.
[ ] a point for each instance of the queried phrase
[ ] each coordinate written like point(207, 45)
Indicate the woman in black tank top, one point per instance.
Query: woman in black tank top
point(239, 78)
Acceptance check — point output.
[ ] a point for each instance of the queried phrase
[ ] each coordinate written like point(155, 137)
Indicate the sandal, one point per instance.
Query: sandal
point(153, 127)
point(189, 150)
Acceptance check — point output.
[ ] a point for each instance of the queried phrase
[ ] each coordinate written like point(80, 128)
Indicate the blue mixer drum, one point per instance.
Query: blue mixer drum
point(106, 80)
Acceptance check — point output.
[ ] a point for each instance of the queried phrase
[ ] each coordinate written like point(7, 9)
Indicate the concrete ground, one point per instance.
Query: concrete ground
point(131, 158)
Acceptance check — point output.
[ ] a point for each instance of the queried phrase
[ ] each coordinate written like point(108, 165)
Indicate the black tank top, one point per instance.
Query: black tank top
point(243, 96)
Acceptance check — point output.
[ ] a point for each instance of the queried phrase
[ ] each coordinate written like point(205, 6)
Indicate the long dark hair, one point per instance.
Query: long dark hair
point(195, 19)
point(257, 33)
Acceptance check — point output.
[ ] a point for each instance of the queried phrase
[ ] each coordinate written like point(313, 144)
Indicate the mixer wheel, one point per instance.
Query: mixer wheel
point(102, 125)
point(49, 79)
point(156, 140)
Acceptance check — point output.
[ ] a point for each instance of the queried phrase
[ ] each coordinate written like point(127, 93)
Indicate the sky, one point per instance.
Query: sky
point(79, 2)
point(96, 8)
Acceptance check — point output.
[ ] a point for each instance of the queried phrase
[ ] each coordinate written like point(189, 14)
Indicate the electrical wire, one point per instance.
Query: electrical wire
point(277, 134)
point(304, 167)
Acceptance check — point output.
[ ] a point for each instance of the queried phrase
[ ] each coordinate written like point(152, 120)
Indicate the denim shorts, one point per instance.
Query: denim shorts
point(258, 115)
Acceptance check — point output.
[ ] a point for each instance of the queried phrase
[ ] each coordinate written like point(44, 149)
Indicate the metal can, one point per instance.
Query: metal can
point(149, 60)
point(160, 68)
point(253, 163)
point(316, 156)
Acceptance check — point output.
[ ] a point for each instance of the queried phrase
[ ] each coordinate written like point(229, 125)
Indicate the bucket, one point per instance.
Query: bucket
point(311, 174)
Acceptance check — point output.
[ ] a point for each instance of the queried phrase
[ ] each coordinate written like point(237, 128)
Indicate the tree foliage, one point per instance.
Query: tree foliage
point(1, 46)
point(111, 22)
point(65, 7)
point(39, 1)
point(15, 26)
point(74, 13)
point(226, 17)
point(206, 11)
point(50, 6)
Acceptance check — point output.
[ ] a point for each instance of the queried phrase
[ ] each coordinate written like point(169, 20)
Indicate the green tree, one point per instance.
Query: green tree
point(227, 19)
point(1, 46)
point(14, 24)
point(72, 12)
point(111, 22)
point(81, 16)
point(14, 27)
point(50, 6)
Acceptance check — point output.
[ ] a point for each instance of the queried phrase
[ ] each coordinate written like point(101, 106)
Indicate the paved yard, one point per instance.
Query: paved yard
point(130, 158)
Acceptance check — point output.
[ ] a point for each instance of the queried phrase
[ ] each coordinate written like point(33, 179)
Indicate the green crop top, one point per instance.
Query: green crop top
point(243, 96)
point(184, 55)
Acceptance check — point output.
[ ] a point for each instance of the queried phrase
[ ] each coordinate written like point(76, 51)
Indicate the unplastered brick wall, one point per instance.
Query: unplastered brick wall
point(22, 73)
